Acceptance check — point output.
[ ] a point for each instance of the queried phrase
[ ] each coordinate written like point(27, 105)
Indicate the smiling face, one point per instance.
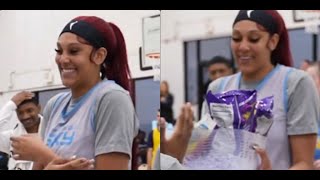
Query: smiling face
point(74, 60)
point(28, 114)
point(251, 47)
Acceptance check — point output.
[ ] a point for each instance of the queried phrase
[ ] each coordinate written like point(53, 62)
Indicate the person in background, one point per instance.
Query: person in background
point(218, 67)
point(305, 64)
point(166, 102)
point(314, 71)
point(26, 106)
point(142, 147)
point(153, 143)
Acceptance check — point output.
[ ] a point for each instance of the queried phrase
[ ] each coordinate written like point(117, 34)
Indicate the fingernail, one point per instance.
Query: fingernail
point(74, 157)
point(15, 156)
point(91, 161)
point(254, 146)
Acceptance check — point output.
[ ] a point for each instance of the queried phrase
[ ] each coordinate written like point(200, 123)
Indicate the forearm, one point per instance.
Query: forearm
point(149, 158)
point(45, 156)
point(302, 147)
point(302, 165)
point(37, 166)
point(6, 113)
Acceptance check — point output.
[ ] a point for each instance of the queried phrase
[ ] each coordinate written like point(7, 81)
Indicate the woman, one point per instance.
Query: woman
point(260, 46)
point(166, 102)
point(96, 119)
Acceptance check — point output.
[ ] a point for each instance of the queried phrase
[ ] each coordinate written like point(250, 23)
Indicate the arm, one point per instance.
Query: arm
point(149, 158)
point(116, 127)
point(302, 121)
point(31, 147)
point(5, 141)
point(6, 112)
point(149, 152)
point(37, 166)
point(177, 145)
point(303, 147)
point(119, 161)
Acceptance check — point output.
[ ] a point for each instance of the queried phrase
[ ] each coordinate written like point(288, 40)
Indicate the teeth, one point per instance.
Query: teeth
point(245, 58)
point(68, 70)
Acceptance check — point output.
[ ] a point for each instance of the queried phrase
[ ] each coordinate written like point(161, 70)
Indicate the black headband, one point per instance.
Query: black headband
point(258, 16)
point(86, 31)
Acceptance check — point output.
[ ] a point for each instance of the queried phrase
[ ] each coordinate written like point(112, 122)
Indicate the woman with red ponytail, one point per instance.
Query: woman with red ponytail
point(260, 46)
point(96, 120)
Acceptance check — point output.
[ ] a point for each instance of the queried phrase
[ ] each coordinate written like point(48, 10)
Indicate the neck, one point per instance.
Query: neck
point(81, 90)
point(257, 75)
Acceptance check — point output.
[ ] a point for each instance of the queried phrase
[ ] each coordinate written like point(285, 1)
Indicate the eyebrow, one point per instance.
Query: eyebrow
point(250, 31)
point(71, 44)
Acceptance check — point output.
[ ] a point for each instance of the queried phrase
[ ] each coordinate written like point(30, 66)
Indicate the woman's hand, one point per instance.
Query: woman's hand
point(31, 147)
point(316, 164)
point(70, 164)
point(177, 145)
point(265, 161)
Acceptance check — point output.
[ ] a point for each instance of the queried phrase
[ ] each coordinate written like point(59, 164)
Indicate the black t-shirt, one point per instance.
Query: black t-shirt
point(166, 109)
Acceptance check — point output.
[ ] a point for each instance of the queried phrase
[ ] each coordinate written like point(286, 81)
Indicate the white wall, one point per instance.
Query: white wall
point(28, 40)
point(182, 25)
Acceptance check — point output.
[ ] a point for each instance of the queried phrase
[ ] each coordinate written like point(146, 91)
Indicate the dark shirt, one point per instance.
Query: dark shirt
point(166, 109)
point(150, 140)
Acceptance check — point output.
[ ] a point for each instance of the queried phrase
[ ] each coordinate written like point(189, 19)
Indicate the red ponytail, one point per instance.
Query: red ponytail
point(118, 69)
point(282, 53)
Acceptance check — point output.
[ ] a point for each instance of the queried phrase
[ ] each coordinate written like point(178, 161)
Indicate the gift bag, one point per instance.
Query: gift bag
point(240, 123)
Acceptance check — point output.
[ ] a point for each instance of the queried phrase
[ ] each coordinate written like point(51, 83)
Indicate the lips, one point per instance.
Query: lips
point(66, 72)
point(244, 59)
point(27, 122)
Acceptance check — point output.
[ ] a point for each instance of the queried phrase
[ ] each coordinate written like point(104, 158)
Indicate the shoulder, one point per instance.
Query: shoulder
point(50, 104)
point(55, 98)
point(114, 92)
point(297, 77)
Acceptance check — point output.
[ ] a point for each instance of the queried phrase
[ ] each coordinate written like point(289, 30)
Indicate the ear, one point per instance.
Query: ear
point(100, 55)
point(273, 42)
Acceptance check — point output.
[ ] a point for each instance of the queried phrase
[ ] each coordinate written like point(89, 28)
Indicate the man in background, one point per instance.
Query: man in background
point(27, 107)
point(218, 66)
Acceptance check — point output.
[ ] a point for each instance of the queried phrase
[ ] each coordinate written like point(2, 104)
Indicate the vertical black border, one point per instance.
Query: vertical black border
point(185, 71)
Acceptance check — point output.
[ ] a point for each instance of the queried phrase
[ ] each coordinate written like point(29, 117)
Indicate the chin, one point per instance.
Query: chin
point(67, 83)
point(246, 69)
